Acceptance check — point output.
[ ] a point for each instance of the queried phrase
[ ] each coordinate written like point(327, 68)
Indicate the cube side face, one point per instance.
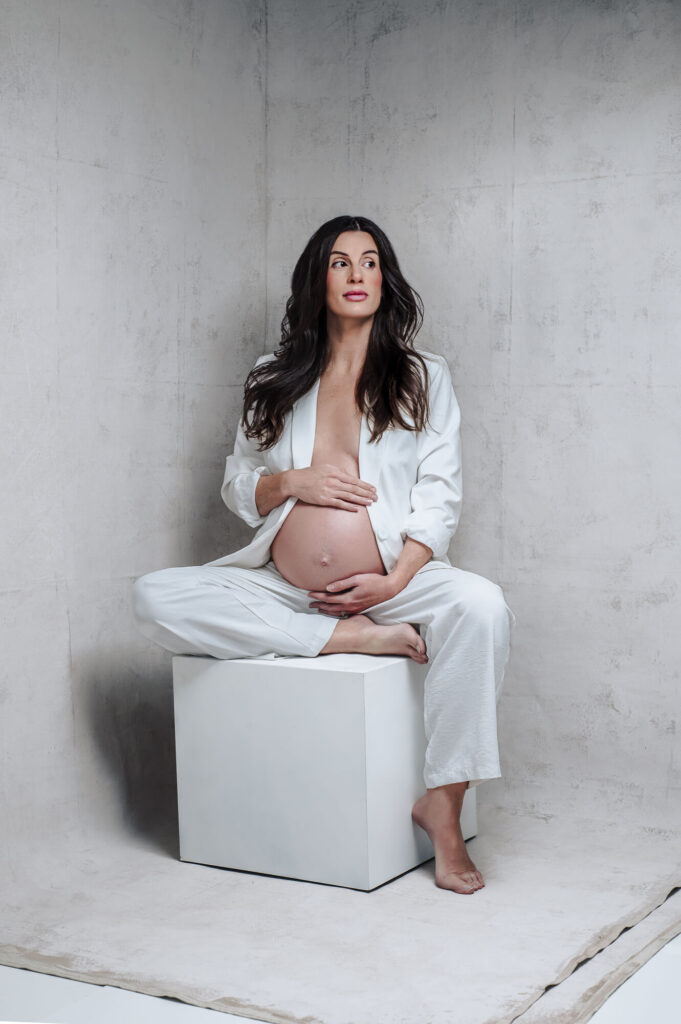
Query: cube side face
point(395, 756)
point(271, 769)
point(469, 813)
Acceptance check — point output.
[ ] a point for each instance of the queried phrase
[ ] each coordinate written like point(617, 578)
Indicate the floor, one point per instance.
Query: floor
point(652, 994)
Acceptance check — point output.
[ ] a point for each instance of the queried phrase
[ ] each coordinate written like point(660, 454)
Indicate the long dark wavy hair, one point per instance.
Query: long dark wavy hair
point(393, 379)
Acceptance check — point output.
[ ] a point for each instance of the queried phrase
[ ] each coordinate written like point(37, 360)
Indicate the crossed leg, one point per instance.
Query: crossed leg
point(464, 627)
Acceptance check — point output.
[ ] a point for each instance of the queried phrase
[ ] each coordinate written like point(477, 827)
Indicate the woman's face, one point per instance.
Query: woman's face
point(353, 279)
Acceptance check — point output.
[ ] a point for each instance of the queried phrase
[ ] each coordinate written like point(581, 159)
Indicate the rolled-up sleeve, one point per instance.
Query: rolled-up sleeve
point(436, 496)
point(243, 469)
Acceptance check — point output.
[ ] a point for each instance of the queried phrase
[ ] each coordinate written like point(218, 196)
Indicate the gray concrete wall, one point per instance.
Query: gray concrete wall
point(132, 254)
point(526, 160)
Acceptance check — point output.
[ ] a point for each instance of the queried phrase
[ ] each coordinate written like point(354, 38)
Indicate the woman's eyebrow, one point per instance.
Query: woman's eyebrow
point(337, 252)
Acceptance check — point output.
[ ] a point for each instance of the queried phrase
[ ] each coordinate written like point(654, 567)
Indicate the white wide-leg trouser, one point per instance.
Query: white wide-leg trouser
point(230, 612)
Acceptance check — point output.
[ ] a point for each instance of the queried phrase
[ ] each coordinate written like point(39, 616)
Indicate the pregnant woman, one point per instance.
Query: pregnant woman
point(347, 460)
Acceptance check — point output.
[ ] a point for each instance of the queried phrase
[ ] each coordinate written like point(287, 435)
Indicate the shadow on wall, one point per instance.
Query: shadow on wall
point(131, 721)
point(125, 693)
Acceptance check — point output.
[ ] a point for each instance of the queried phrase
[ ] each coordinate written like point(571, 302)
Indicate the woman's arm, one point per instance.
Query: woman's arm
point(251, 490)
point(243, 470)
point(272, 490)
point(369, 588)
point(436, 495)
point(325, 484)
point(413, 557)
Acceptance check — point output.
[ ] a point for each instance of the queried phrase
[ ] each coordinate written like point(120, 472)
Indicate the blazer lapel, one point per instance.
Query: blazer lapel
point(370, 455)
point(303, 427)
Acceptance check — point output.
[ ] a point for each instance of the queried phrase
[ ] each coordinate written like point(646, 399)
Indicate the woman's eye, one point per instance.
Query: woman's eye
point(343, 263)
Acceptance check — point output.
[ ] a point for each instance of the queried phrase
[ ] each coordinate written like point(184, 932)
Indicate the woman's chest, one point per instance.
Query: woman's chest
point(326, 428)
point(337, 428)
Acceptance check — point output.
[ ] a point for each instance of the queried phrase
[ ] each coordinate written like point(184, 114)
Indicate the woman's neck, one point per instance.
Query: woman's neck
point(348, 340)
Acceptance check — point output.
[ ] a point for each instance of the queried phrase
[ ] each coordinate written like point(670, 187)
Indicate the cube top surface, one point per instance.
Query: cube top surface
point(362, 663)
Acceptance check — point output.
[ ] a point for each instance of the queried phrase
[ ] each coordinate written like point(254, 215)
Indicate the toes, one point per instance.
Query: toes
point(462, 882)
point(473, 879)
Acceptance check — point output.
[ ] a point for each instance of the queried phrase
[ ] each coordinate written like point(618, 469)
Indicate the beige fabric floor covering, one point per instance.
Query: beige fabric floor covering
point(132, 915)
point(579, 996)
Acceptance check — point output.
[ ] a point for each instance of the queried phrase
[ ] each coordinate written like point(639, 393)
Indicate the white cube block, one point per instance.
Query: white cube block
point(303, 767)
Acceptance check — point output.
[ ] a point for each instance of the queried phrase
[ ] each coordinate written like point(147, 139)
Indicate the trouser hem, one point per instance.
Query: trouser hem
point(473, 777)
point(324, 633)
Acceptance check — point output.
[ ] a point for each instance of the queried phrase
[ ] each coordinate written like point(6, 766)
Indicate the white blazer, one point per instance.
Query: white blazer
point(417, 475)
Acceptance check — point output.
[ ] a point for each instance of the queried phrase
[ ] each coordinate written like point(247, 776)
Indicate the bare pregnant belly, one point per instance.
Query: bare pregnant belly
point(317, 545)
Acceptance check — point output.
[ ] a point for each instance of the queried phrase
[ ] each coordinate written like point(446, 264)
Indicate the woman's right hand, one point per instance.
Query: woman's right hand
point(329, 485)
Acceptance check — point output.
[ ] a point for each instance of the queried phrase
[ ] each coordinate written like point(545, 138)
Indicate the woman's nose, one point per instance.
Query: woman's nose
point(355, 274)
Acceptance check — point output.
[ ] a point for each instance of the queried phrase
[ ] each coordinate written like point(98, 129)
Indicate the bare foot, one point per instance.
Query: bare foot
point(438, 812)
point(360, 634)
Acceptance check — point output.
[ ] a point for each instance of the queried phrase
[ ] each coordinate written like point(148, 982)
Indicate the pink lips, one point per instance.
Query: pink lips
point(355, 296)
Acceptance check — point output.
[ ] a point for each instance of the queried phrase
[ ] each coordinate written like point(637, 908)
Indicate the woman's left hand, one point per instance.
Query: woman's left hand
point(361, 591)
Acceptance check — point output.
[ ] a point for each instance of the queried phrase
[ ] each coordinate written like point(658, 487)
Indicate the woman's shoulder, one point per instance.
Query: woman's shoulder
point(264, 358)
point(430, 356)
point(436, 364)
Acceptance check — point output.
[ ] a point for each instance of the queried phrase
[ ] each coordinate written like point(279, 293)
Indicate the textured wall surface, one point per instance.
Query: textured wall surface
point(131, 185)
point(525, 157)
point(526, 160)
